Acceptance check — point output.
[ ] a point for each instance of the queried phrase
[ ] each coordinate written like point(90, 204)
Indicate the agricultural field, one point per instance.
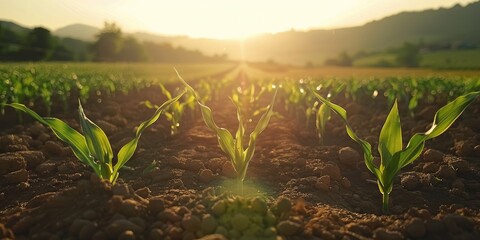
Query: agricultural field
point(238, 151)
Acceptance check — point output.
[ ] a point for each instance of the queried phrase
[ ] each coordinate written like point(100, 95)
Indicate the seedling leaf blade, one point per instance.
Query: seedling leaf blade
point(70, 136)
point(390, 140)
point(366, 147)
point(127, 151)
point(261, 125)
point(443, 119)
point(97, 141)
point(225, 138)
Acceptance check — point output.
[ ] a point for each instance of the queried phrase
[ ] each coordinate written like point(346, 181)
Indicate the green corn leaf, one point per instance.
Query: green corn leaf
point(239, 139)
point(323, 115)
point(70, 136)
point(443, 119)
point(261, 125)
point(127, 151)
point(97, 142)
point(390, 140)
point(366, 147)
point(165, 91)
point(225, 138)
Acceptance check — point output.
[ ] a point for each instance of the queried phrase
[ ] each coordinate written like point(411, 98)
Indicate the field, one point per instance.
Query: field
point(307, 178)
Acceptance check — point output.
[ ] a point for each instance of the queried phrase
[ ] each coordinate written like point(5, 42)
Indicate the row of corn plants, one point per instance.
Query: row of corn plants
point(92, 147)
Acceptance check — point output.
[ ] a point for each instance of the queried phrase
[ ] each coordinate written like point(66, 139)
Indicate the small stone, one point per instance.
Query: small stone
point(17, 176)
point(100, 235)
point(127, 235)
point(43, 137)
point(464, 148)
point(332, 170)
point(32, 158)
point(458, 184)
point(259, 205)
point(219, 207)
point(143, 192)
point(11, 162)
point(323, 183)
point(288, 228)
point(415, 228)
point(119, 226)
point(46, 168)
point(191, 223)
point(175, 233)
point(282, 206)
point(87, 231)
point(121, 190)
point(383, 234)
point(155, 234)
point(346, 183)
point(455, 223)
point(240, 222)
point(359, 229)
point(459, 165)
point(410, 182)
point(169, 215)
point(194, 165)
point(209, 224)
point(76, 226)
point(129, 208)
point(37, 129)
point(445, 172)
point(430, 167)
point(156, 204)
point(432, 155)
point(10, 140)
point(205, 175)
point(434, 226)
point(89, 214)
point(53, 148)
point(348, 156)
point(215, 236)
point(476, 150)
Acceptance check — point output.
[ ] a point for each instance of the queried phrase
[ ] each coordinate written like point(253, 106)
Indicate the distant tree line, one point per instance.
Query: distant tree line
point(38, 44)
point(112, 46)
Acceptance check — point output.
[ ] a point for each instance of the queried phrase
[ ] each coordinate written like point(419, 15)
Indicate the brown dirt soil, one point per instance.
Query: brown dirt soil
point(180, 187)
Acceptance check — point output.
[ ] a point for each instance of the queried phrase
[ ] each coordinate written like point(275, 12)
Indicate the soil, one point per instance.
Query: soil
point(183, 186)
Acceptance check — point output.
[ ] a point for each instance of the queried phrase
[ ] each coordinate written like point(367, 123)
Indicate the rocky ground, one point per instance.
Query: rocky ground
point(180, 187)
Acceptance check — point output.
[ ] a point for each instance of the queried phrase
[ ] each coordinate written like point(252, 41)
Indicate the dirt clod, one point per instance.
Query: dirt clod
point(432, 155)
point(348, 156)
point(415, 228)
point(288, 228)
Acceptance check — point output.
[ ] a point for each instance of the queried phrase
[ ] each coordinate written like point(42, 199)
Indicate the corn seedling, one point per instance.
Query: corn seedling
point(234, 147)
point(175, 111)
point(390, 146)
point(92, 147)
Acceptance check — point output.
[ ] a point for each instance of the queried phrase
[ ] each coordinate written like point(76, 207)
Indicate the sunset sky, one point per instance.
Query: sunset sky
point(209, 18)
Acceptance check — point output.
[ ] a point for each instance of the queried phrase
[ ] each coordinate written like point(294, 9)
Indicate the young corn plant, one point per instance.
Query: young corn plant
point(92, 147)
point(390, 145)
point(235, 147)
point(175, 112)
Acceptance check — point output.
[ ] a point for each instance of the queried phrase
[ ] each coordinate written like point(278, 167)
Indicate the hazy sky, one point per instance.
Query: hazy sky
point(209, 18)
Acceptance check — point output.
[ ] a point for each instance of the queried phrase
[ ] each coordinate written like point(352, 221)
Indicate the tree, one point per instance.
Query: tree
point(37, 46)
point(132, 51)
point(108, 43)
point(408, 55)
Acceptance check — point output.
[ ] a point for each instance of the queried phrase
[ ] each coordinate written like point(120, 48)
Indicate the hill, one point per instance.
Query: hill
point(78, 31)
